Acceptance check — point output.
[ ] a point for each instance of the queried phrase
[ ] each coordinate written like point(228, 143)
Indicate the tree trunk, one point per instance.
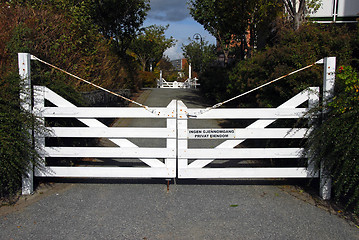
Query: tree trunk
point(143, 63)
point(296, 10)
point(297, 21)
point(226, 54)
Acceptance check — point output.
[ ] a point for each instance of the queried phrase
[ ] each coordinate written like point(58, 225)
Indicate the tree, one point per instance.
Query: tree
point(293, 50)
point(230, 21)
point(199, 54)
point(217, 18)
point(150, 45)
point(165, 64)
point(120, 20)
point(297, 9)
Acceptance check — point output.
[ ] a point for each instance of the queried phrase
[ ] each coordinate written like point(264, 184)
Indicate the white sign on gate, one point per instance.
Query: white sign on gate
point(211, 133)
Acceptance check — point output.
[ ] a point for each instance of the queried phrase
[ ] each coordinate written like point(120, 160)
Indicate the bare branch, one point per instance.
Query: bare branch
point(289, 7)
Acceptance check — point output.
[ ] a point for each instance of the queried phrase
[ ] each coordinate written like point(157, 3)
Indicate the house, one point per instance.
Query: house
point(179, 64)
point(337, 11)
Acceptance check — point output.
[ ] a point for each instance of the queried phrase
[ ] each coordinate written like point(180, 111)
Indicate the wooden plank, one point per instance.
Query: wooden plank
point(226, 173)
point(111, 132)
point(105, 112)
point(109, 152)
point(239, 153)
point(249, 113)
point(106, 172)
point(246, 133)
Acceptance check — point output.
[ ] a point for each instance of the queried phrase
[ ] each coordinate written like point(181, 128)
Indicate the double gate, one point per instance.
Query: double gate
point(169, 142)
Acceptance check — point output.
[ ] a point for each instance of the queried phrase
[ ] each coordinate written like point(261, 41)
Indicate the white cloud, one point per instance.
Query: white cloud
point(174, 52)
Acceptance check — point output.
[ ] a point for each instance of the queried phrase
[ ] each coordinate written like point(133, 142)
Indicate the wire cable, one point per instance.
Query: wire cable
point(252, 90)
point(92, 84)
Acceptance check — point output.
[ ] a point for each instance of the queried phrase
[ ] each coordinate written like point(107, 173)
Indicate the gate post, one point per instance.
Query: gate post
point(25, 97)
point(171, 143)
point(328, 89)
point(182, 128)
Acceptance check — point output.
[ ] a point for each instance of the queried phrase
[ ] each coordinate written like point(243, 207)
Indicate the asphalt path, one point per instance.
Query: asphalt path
point(144, 209)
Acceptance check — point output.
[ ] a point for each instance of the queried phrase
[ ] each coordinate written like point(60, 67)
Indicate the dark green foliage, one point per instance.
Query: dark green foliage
point(149, 46)
point(119, 20)
point(200, 54)
point(335, 142)
point(292, 50)
point(235, 21)
point(63, 33)
point(15, 147)
point(213, 84)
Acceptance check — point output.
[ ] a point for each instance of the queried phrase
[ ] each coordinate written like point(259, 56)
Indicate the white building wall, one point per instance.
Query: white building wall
point(337, 11)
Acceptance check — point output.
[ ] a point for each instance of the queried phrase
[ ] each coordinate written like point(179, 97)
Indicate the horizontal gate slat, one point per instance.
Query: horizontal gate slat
point(105, 172)
point(248, 113)
point(109, 152)
point(112, 132)
point(252, 133)
point(300, 172)
point(237, 153)
point(105, 112)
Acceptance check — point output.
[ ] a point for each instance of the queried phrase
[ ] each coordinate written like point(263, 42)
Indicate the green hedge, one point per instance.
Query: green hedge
point(335, 141)
point(16, 149)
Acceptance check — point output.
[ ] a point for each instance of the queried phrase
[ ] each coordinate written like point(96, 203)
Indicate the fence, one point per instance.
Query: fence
point(189, 83)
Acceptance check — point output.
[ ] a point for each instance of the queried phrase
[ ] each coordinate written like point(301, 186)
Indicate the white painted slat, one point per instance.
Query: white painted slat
point(226, 173)
point(254, 133)
point(112, 132)
point(124, 143)
point(106, 172)
point(249, 113)
point(109, 152)
point(238, 153)
point(104, 112)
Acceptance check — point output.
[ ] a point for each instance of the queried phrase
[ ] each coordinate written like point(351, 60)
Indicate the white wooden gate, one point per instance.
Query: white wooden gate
point(160, 161)
point(195, 162)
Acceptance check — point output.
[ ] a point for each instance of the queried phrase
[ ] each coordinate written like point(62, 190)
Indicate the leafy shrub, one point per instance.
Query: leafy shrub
point(148, 79)
point(63, 39)
point(15, 148)
point(335, 142)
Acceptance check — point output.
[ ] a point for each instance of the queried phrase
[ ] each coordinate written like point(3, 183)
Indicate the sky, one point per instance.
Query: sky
point(181, 25)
